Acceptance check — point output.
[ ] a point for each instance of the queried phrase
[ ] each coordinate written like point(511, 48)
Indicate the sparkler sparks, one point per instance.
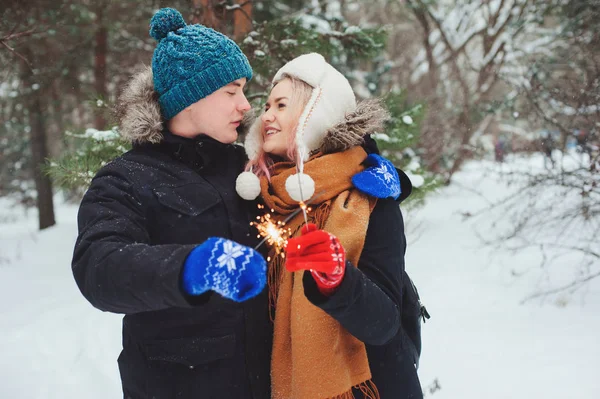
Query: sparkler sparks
point(274, 232)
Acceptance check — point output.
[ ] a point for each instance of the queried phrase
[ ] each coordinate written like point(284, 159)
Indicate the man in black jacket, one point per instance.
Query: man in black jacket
point(163, 236)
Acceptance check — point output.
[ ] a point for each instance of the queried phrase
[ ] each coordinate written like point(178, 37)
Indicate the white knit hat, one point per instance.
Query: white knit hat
point(331, 99)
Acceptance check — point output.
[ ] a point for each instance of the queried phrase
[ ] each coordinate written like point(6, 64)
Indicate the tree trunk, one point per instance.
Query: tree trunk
point(39, 153)
point(100, 68)
point(204, 13)
point(242, 19)
point(39, 150)
point(464, 152)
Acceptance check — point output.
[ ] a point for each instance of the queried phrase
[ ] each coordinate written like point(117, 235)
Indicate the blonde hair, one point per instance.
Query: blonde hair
point(301, 92)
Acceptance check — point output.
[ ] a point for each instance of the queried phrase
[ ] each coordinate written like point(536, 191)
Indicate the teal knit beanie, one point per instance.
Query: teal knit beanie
point(191, 61)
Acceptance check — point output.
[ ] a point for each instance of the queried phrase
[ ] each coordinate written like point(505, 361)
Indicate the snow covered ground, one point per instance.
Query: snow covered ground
point(481, 342)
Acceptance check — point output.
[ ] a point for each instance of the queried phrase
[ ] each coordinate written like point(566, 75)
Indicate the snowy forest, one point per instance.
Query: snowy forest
point(495, 118)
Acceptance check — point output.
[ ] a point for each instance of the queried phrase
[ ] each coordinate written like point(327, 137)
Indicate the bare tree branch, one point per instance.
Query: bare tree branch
point(573, 285)
point(12, 50)
point(13, 36)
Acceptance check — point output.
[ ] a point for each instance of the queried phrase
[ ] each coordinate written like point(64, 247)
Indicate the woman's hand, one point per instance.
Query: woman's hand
point(315, 250)
point(321, 253)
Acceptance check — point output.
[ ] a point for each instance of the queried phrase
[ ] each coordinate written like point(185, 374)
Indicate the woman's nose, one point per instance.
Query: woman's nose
point(267, 116)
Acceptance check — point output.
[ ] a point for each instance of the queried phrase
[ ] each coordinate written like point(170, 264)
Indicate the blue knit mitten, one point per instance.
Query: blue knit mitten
point(235, 271)
point(380, 179)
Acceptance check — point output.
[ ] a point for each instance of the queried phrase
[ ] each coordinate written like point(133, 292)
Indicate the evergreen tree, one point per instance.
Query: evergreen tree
point(398, 143)
point(280, 32)
point(74, 171)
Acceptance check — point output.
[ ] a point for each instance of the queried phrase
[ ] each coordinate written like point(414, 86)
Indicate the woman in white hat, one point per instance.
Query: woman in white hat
point(338, 293)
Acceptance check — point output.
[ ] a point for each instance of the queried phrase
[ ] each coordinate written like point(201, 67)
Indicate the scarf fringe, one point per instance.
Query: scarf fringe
point(319, 216)
point(367, 388)
point(274, 275)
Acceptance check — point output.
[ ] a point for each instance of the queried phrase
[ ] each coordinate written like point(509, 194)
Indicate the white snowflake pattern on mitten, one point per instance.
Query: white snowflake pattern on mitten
point(235, 271)
point(380, 180)
point(231, 251)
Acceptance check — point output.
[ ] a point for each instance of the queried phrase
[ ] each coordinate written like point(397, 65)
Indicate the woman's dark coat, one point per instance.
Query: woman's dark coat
point(376, 301)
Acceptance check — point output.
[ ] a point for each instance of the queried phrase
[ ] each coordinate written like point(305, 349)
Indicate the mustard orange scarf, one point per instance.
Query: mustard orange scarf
point(314, 357)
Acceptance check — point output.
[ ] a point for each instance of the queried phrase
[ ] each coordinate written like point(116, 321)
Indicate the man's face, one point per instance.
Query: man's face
point(219, 114)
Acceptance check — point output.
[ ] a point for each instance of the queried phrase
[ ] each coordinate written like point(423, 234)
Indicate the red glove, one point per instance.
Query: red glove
point(321, 253)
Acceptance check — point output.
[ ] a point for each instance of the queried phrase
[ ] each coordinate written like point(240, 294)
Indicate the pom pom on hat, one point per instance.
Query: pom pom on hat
point(247, 186)
point(300, 187)
point(164, 21)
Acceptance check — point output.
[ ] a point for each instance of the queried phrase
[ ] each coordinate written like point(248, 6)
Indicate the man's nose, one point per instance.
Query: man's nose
point(244, 105)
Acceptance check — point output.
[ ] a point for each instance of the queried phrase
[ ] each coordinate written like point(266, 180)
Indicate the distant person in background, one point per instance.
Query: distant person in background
point(500, 148)
point(547, 148)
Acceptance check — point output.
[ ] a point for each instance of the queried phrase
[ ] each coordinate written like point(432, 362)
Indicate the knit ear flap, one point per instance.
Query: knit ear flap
point(247, 184)
point(305, 140)
point(252, 142)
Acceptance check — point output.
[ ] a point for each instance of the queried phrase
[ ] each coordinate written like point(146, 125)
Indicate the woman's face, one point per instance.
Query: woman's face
point(279, 119)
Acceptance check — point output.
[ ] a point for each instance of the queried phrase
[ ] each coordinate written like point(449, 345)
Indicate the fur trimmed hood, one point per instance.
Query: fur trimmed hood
point(368, 117)
point(138, 111)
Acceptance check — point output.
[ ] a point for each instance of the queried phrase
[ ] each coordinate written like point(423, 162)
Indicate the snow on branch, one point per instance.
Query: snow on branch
point(480, 36)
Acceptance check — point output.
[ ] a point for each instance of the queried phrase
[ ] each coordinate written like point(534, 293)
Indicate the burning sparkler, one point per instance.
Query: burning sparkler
point(275, 233)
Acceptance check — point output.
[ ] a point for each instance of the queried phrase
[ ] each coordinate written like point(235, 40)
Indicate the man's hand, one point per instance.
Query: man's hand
point(235, 271)
point(380, 179)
